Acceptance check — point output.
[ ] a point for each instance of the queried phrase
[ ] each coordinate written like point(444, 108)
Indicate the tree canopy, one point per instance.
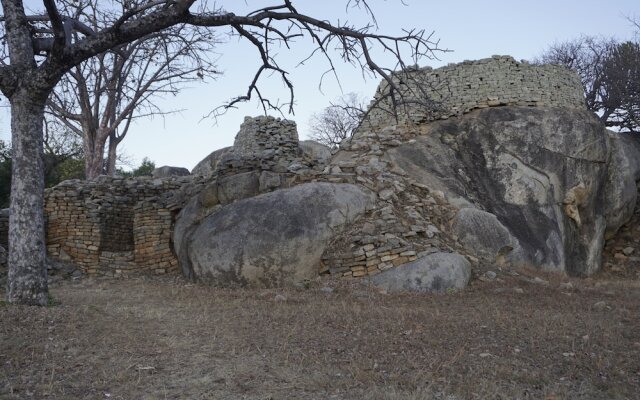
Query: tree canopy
point(610, 75)
point(338, 121)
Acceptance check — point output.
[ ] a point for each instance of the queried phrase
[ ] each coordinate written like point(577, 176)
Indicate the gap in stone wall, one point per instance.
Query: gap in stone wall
point(117, 226)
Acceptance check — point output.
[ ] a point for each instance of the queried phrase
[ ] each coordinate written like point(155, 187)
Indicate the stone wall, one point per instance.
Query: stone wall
point(265, 144)
point(115, 226)
point(431, 94)
point(409, 221)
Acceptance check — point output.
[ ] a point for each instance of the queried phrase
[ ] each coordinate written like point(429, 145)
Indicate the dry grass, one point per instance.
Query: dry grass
point(168, 339)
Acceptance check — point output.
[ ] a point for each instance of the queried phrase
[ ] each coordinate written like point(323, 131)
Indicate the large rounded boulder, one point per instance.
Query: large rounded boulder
point(269, 240)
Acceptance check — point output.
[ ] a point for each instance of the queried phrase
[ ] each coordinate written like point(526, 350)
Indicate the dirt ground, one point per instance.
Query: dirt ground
point(521, 335)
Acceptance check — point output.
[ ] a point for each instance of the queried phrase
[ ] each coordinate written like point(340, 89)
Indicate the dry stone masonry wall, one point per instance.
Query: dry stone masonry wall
point(115, 226)
point(266, 144)
point(459, 88)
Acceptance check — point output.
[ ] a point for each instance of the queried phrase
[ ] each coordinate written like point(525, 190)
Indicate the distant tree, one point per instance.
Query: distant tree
point(62, 160)
point(621, 87)
point(70, 168)
point(62, 153)
point(338, 121)
point(144, 169)
point(100, 98)
point(609, 72)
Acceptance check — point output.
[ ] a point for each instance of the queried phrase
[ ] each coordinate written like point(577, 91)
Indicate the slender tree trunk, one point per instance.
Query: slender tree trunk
point(93, 155)
point(27, 280)
point(111, 157)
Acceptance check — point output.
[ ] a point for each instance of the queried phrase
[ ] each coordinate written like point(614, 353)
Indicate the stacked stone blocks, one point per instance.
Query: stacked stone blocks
point(429, 94)
point(115, 226)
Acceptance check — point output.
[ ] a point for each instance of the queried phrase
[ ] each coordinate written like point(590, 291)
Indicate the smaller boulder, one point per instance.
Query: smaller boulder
point(238, 187)
point(437, 272)
point(167, 171)
point(485, 236)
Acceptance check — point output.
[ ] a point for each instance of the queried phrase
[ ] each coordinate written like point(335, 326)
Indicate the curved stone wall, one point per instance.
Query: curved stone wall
point(430, 94)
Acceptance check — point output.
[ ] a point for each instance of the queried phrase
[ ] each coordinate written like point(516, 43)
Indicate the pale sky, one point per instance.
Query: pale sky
point(472, 29)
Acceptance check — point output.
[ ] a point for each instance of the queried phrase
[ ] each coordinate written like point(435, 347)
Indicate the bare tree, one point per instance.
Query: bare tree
point(100, 98)
point(621, 87)
point(27, 80)
point(610, 75)
point(337, 122)
point(586, 56)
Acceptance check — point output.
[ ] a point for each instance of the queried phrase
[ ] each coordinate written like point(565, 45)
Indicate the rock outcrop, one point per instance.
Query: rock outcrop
point(623, 173)
point(541, 172)
point(508, 168)
point(315, 151)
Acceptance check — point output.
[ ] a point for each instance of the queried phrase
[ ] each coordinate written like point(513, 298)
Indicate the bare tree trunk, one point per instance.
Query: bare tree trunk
point(27, 279)
point(111, 157)
point(93, 155)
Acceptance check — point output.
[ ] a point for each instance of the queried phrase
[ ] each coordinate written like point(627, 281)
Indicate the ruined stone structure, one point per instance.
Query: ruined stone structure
point(118, 227)
point(265, 144)
point(123, 226)
point(431, 94)
point(115, 226)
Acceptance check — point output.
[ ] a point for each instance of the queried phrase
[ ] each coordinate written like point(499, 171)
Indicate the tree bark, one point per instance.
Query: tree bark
point(27, 279)
point(93, 155)
point(111, 157)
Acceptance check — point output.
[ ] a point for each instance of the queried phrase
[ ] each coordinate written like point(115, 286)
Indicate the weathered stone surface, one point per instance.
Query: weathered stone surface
point(240, 186)
point(315, 151)
point(486, 237)
point(623, 173)
point(273, 239)
point(542, 172)
point(167, 171)
point(437, 272)
point(208, 165)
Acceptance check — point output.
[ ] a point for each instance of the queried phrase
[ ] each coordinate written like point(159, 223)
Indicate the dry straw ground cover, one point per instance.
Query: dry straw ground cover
point(513, 337)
